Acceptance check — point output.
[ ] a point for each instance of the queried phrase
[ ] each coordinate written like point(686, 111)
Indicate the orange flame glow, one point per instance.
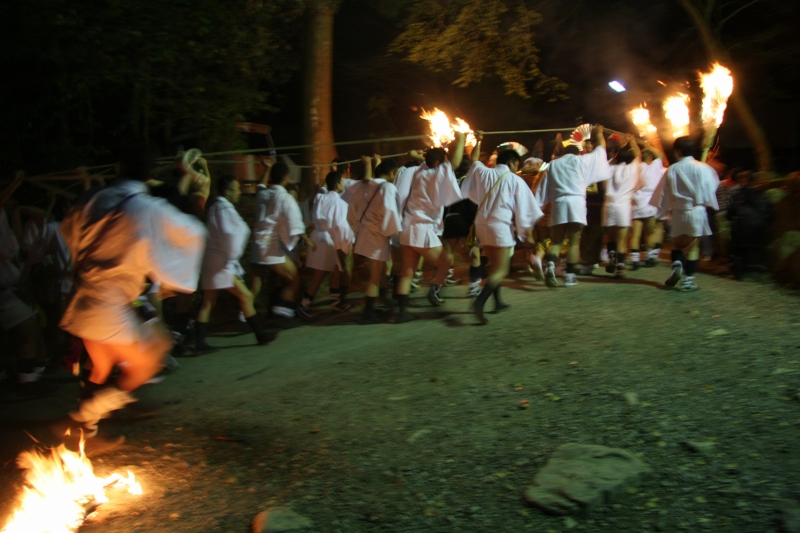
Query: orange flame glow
point(59, 487)
point(717, 87)
point(676, 109)
point(442, 131)
point(641, 119)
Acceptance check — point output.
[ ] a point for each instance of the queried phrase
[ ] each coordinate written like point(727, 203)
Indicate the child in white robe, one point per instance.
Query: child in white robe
point(278, 228)
point(331, 236)
point(432, 187)
point(645, 220)
point(374, 216)
point(688, 188)
point(506, 206)
point(118, 237)
point(626, 179)
point(565, 186)
point(227, 237)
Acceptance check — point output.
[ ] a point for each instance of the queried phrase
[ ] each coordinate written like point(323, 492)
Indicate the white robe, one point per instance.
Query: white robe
point(120, 236)
point(331, 231)
point(625, 180)
point(350, 189)
point(227, 238)
point(510, 207)
point(374, 216)
point(566, 181)
point(422, 203)
point(652, 174)
point(688, 187)
point(278, 225)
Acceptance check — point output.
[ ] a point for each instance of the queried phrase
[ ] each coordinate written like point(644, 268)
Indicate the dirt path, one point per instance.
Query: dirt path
point(418, 427)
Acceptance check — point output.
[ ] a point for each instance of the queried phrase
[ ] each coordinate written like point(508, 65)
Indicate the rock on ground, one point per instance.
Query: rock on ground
point(582, 475)
point(278, 519)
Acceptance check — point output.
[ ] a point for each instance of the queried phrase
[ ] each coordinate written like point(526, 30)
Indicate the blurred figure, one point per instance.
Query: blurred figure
point(751, 215)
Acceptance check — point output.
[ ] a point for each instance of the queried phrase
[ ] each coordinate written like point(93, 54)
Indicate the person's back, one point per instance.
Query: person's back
point(122, 235)
point(751, 214)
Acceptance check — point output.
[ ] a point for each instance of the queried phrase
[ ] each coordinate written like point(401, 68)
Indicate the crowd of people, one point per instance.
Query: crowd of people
point(132, 271)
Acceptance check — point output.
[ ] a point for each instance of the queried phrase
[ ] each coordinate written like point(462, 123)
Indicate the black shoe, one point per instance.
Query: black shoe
point(266, 336)
point(499, 305)
point(434, 295)
point(611, 266)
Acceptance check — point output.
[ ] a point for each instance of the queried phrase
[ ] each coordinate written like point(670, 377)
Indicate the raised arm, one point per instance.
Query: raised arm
point(637, 152)
point(458, 153)
point(367, 160)
point(657, 154)
point(601, 140)
point(476, 150)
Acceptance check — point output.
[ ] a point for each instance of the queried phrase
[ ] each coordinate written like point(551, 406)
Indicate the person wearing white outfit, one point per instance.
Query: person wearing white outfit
point(565, 186)
point(227, 237)
point(687, 189)
point(374, 216)
point(117, 238)
point(432, 187)
point(626, 179)
point(645, 220)
point(507, 211)
point(332, 237)
point(277, 229)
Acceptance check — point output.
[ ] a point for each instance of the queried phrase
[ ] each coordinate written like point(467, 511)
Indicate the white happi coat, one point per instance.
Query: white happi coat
point(625, 180)
point(422, 201)
point(350, 189)
point(227, 237)
point(373, 215)
point(510, 206)
point(278, 225)
point(120, 236)
point(652, 174)
point(331, 231)
point(688, 188)
point(566, 181)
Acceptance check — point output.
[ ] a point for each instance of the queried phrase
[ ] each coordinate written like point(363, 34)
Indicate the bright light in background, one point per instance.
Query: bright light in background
point(617, 86)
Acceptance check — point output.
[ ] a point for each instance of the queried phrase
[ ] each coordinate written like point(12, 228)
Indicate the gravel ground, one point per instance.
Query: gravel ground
point(420, 427)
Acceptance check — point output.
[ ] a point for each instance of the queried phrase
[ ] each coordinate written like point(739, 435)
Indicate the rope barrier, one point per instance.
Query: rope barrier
point(301, 147)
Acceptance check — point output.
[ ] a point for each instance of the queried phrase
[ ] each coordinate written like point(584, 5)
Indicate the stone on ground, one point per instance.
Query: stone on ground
point(278, 519)
point(580, 476)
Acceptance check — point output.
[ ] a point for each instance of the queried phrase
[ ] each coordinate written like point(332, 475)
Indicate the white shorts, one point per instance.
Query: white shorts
point(13, 311)
point(568, 209)
point(373, 246)
point(500, 235)
point(617, 215)
point(275, 254)
point(420, 236)
point(691, 222)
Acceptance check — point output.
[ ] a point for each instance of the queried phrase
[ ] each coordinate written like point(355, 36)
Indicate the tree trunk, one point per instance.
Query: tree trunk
point(715, 51)
point(317, 97)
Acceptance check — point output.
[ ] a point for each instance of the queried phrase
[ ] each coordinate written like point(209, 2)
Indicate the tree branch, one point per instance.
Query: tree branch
point(736, 12)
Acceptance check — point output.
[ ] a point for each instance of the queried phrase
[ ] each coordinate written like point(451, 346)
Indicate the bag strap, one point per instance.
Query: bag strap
point(496, 183)
point(364, 213)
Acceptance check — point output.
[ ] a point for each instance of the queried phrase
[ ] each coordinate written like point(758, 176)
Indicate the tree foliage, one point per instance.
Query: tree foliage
point(91, 73)
point(473, 39)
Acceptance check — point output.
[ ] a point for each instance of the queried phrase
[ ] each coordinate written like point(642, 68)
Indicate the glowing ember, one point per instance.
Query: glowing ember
point(60, 488)
point(443, 132)
point(641, 119)
point(676, 109)
point(717, 87)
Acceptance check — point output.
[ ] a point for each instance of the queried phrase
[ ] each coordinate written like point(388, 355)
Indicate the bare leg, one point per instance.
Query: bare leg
point(376, 278)
point(288, 272)
point(209, 300)
point(316, 281)
point(245, 297)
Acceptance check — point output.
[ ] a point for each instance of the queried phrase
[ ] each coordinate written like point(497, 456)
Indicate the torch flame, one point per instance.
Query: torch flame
point(717, 87)
point(641, 119)
point(676, 109)
point(60, 486)
point(443, 131)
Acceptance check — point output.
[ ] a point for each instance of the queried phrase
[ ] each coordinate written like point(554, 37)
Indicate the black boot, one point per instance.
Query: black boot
point(370, 315)
point(480, 301)
point(611, 266)
point(499, 305)
point(403, 315)
point(262, 336)
point(388, 301)
point(200, 344)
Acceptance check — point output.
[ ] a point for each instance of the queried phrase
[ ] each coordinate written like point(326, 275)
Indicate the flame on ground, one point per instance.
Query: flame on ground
point(60, 488)
point(676, 109)
point(641, 119)
point(442, 131)
point(717, 87)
